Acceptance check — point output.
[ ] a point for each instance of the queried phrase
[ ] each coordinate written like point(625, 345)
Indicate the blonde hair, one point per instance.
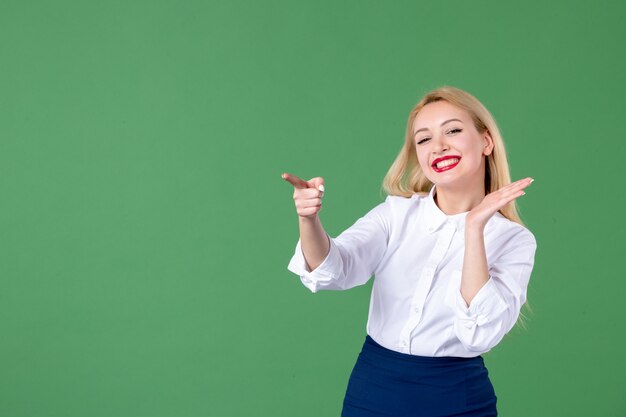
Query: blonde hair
point(405, 176)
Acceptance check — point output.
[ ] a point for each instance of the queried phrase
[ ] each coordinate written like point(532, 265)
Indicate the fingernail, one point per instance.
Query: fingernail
point(321, 188)
point(532, 179)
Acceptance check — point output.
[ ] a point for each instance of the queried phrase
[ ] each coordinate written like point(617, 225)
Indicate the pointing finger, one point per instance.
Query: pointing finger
point(295, 181)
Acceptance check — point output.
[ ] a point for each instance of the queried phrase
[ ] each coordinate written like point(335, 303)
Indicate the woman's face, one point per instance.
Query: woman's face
point(450, 150)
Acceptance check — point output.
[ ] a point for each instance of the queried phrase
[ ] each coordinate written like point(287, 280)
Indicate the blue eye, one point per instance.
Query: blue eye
point(423, 140)
point(455, 130)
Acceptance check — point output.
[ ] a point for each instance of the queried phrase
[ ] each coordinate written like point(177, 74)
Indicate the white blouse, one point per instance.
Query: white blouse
point(415, 251)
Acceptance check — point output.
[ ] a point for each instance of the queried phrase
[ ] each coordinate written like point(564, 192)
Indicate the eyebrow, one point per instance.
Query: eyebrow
point(447, 121)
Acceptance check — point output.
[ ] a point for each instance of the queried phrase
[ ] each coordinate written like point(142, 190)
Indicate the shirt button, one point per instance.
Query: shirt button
point(430, 228)
point(416, 309)
point(402, 343)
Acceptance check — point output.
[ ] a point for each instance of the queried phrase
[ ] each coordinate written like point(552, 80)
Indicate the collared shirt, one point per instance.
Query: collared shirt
point(415, 251)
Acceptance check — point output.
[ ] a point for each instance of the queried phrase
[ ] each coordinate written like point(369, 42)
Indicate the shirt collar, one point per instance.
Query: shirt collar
point(437, 218)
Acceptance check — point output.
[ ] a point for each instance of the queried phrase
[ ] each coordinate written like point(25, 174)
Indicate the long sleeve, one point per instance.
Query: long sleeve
point(353, 255)
point(496, 307)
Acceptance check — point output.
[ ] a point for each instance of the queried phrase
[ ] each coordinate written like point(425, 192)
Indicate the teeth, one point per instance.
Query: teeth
point(447, 162)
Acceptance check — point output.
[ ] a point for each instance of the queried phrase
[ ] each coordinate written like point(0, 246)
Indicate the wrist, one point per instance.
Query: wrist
point(312, 219)
point(474, 228)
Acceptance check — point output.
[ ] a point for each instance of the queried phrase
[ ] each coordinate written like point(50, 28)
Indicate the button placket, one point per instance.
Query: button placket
point(424, 285)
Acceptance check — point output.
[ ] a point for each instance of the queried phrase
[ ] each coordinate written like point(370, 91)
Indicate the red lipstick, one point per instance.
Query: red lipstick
point(446, 167)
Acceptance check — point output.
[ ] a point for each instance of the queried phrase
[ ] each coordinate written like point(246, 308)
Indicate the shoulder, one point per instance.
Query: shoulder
point(509, 232)
point(401, 203)
point(395, 210)
point(398, 207)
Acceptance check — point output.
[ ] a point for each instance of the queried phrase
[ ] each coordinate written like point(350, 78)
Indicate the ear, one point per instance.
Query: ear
point(488, 141)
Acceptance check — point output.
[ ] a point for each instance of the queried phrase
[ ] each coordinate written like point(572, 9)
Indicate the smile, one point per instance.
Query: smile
point(445, 163)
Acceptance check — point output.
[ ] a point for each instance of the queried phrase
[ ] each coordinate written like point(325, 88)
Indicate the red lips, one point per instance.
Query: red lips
point(447, 167)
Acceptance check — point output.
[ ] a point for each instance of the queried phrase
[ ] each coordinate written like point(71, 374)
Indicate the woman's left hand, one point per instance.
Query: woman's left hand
point(480, 215)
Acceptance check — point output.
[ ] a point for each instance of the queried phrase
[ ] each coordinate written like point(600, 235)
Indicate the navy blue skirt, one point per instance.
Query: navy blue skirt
point(388, 383)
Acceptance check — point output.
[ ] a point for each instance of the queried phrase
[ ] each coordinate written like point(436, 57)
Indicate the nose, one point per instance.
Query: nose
point(440, 144)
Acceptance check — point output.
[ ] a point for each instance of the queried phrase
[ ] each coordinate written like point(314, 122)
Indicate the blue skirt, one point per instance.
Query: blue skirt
point(388, 383)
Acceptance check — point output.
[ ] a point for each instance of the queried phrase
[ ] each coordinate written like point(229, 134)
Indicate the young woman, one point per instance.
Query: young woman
point(451, 261)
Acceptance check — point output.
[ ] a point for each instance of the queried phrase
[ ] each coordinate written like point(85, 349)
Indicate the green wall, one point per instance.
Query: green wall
point(145, 230)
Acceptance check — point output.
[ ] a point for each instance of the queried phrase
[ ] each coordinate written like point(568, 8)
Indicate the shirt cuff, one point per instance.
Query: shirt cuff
point(328, 272)
point(486, 305)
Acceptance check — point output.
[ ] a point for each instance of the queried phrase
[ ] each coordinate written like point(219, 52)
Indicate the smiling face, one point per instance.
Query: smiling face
point(450, 150)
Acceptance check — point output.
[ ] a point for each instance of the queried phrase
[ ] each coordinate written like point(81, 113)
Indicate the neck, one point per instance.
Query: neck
point(454, 201)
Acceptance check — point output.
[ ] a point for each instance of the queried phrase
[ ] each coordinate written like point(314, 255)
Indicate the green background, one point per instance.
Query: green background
point(145, 230)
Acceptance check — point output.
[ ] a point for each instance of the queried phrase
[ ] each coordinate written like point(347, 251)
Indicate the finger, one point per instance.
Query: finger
point(295, 181)
point(506, 199)
point(303, 194)
point(317, 182)
point(304, 204)
point(515, 186)
point(524, 182)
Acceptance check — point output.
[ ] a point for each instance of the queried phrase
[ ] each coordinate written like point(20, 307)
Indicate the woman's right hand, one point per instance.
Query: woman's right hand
point(307, 195)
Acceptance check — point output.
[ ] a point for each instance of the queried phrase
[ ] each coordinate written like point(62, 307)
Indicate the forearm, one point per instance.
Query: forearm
point(314, 241)
point(475, 272)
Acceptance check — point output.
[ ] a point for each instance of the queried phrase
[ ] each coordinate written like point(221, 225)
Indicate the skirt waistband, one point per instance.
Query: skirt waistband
point(372, 347)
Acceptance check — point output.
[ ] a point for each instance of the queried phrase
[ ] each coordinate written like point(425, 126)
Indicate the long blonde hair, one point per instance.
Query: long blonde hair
point(405, 176)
